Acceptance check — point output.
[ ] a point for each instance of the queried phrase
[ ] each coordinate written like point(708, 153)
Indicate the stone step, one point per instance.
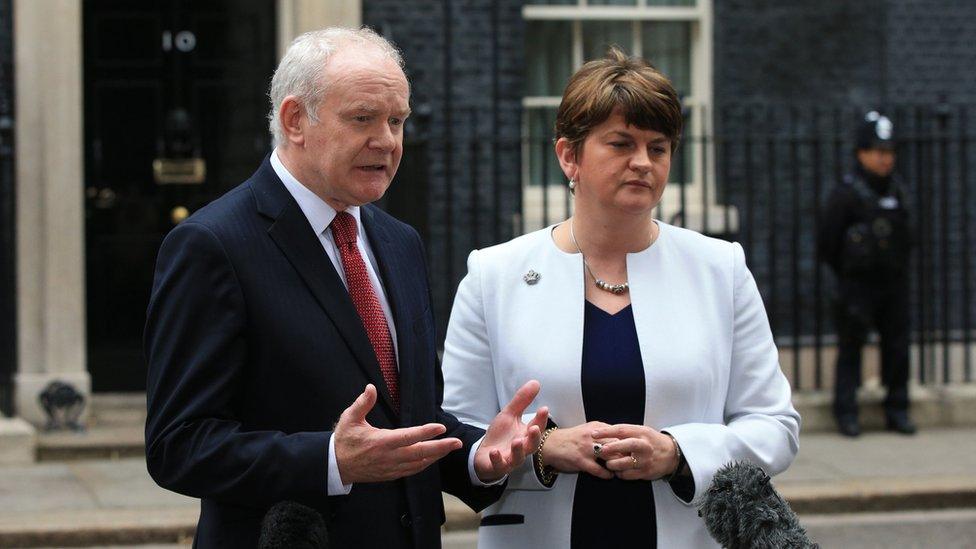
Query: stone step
point(108, 409)
point(175, 525)
point(92, 527)
point(941, 406)
point(115, 427)
point(98, 442)
point(880, 494)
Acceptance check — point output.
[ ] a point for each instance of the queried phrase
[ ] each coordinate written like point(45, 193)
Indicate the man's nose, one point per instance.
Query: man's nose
point(384, 139)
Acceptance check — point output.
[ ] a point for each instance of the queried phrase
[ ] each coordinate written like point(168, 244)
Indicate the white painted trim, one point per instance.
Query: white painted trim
point(532, 202)
point(286, 25)
point(298, 16)
point(614, 13)
point(541, 102)
point(552, 101)
point(50, 204)
point(577, 44)
point(50, 208)
point(637, 38)
point(700, 100)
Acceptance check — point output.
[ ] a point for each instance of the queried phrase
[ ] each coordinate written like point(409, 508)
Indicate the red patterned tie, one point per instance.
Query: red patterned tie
point(364, 298)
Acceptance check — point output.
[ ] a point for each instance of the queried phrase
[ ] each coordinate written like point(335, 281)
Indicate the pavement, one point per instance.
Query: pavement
point(76, 501)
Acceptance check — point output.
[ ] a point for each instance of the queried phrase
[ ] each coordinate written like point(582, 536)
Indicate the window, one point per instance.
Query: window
point(561, 35)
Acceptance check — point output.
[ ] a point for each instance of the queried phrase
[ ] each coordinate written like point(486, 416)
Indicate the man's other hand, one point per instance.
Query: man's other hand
point(367, 454)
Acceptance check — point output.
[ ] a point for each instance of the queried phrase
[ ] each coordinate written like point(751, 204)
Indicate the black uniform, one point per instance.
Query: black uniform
point(866, 239)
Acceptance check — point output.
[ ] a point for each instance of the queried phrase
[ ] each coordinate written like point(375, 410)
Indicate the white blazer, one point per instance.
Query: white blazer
point(711, 368)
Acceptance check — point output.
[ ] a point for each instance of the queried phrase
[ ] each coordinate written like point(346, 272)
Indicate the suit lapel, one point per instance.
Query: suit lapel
point(293, 235)
point(388, 258)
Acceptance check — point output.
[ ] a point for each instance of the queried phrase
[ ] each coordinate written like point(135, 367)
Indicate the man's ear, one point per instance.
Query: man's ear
point(566, 153)
point(291, 115)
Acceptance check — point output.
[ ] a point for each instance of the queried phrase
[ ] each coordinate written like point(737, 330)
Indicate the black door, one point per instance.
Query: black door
point(175, 115)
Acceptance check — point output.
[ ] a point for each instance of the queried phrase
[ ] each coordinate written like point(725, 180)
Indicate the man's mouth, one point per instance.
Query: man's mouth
point(373, 167)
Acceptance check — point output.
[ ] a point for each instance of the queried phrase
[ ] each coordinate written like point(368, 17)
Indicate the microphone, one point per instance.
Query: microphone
point(743, 511)
point(290, 525)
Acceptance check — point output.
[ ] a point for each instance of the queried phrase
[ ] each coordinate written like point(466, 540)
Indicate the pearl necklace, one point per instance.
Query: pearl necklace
point(615, 289)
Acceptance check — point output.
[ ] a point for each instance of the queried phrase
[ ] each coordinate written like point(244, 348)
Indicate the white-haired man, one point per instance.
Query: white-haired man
point(290, 338)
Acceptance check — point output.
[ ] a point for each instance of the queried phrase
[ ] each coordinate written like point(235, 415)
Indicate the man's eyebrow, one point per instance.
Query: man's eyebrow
point(363, 108)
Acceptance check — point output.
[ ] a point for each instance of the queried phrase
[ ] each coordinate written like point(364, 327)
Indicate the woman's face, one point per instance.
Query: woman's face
point(619, 167)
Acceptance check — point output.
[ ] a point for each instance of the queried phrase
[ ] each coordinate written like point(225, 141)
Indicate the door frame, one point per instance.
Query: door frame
point(49, 157)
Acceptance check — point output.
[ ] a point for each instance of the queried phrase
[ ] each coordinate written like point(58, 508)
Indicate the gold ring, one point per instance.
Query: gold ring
point(636, 461)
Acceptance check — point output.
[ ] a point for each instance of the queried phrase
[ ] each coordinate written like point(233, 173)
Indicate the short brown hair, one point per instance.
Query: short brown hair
point(643, 93)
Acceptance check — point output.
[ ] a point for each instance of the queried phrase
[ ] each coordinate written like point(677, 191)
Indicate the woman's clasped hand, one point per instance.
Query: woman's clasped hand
point(638, 452)
point(629, 452)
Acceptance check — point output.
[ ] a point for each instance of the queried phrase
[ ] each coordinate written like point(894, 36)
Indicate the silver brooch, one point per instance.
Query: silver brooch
point(531, 277)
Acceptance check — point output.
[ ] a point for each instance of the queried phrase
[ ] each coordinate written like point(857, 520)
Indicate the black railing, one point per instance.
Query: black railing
point(761, 179)
point(8, 355)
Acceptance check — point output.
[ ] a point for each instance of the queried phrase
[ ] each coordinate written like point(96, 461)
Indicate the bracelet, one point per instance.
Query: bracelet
point(681, 459)
point(547, 475)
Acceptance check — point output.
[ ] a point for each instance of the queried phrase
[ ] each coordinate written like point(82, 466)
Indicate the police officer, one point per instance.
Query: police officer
point(866, 238)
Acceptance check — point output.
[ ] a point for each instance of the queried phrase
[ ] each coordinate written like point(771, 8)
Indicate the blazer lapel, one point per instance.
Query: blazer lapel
point(293, 235)
point(388, 257)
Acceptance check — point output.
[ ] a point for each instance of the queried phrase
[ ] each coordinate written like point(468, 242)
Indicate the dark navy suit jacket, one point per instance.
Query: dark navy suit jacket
point(255, 349)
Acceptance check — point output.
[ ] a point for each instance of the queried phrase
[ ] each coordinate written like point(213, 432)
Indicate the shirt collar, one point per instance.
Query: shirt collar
point(318, 212)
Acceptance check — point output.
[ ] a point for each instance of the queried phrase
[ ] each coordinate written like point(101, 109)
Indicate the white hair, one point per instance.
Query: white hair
point(301, 70)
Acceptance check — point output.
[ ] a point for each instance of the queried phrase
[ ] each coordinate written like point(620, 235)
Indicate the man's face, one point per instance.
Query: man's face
point(351, 154)
point(880, 162)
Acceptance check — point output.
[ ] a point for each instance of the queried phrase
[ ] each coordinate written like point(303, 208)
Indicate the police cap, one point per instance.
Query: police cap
point(875, 131)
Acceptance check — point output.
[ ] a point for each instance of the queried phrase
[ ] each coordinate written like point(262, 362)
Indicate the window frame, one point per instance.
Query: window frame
point(699, 101)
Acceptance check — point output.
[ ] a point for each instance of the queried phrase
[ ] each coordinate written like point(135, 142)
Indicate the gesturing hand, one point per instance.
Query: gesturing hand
point(367, 454)
point(508, 440)
point(641, 453)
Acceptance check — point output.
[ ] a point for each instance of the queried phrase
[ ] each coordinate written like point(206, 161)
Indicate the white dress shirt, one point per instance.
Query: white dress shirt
point(320, 215)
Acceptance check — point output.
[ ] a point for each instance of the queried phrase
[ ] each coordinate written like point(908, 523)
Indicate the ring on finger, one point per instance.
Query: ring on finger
point(597, 448)
point(636, 461)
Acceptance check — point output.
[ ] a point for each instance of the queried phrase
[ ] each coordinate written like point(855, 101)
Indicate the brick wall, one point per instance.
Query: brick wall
point(931, 50)
point(790, 71)
point(468, 108)
point(828, 51)
point(791, 78)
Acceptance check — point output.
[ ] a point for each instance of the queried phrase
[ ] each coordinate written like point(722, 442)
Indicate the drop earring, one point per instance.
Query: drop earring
point(572, 184)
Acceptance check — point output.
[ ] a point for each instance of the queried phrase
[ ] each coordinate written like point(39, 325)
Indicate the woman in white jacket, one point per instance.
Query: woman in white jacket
point(651, 342)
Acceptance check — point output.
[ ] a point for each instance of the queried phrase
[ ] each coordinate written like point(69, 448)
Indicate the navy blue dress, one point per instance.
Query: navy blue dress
point(615, 512)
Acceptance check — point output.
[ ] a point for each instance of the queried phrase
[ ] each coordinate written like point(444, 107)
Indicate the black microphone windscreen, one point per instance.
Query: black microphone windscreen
point(743, 511)
point(294, 526)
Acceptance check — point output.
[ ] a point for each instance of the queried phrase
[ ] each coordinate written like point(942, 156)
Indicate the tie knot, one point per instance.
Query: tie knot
point(344, 229)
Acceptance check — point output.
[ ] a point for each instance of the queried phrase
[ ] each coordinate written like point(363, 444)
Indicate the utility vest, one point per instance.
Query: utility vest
point(881, 242)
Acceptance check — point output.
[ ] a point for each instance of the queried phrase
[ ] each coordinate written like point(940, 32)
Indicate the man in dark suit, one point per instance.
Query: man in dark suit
point(274, 306)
